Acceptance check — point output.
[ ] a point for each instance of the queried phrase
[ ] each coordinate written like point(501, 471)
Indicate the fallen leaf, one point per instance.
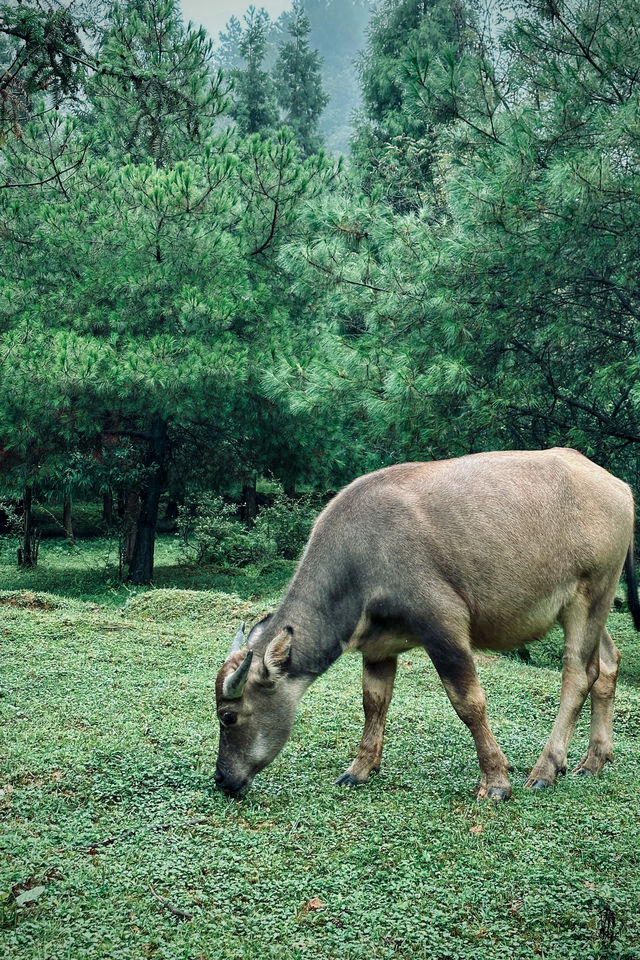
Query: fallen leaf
point(314, 904)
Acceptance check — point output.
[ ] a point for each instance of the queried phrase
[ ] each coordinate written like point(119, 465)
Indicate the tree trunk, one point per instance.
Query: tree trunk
point(171, 513)
point(24, 555)
point(67, 520)
point(141, 566)
point(130, 515)
point(107, 508)
point(28, 552)
point(249, 505)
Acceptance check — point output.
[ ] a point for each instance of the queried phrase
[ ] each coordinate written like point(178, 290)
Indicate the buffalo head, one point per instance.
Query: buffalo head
point(256, 704)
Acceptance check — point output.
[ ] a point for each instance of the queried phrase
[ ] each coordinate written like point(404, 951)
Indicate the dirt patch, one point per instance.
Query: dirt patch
point(485, 658)
point(29, 780)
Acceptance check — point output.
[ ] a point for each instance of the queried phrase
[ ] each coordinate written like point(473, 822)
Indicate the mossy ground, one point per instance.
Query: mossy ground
point(107, 799)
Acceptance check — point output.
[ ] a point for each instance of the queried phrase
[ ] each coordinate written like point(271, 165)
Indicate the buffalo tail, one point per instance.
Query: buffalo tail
point(632, 587)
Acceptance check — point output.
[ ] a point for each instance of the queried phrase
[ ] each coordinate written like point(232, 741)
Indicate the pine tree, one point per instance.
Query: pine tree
point(512, 321)
point(254, 106)
point(139, 285)
point(156, 94)
point(551, 296)
point(227, 52)
point(42, 48)
point(396, 142)
point(338, 32)
point(299, 83)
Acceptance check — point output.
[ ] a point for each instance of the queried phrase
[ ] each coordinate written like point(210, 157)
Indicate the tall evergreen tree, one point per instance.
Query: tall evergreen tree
point(396, 141)
point(227, 51)
point(254, 105)
point(41, 48)
point(550, 297)
point(299, 83)
point(513, 320)
point(137, 286)
point(338, 33)
point(156, 94)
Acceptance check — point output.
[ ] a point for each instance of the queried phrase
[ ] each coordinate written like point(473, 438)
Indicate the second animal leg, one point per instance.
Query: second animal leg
point(458, 675)
point(602, 694)
point(583, 625)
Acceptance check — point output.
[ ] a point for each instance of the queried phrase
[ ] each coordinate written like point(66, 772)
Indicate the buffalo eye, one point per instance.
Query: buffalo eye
point(228, 719)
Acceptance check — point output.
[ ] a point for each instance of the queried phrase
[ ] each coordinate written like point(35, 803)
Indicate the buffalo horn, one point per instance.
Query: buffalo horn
point(234, 684)
point(237, 643)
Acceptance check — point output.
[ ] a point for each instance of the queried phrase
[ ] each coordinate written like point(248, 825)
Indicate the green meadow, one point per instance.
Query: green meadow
point(116, 844)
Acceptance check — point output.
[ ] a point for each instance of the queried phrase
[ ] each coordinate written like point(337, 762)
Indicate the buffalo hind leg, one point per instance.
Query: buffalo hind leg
point(377, 687)
point(602, 693)
point(581, 664)
point(459, 678)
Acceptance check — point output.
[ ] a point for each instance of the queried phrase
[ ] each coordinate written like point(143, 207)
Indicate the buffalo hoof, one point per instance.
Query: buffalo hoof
point(538, 784)
point(582, 772)
point(347, 780)
point(498, 793)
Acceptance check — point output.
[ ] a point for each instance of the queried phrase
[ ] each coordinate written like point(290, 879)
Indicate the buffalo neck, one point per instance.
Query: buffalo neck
point(322, 624)
point(322, 604)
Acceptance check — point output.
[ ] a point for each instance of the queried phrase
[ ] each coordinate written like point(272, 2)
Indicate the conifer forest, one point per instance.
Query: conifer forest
point(196, 293)
point(236, 273)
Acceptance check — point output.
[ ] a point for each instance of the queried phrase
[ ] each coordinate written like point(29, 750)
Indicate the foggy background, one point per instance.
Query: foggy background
point(213, 16)
point(338, 32)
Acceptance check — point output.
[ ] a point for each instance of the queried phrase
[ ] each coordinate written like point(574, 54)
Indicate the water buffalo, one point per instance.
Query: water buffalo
point(484, 552)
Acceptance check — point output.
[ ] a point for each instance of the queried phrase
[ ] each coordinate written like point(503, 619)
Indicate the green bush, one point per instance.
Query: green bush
point(287, 524)
point(211, 532)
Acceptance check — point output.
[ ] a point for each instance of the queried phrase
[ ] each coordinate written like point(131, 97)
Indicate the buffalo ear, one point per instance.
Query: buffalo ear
point(277, 654)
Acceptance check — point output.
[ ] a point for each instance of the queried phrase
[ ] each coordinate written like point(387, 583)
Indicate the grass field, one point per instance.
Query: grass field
point(115, 843)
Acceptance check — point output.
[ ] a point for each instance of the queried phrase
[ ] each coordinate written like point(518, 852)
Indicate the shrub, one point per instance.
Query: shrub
point(211, 533)
point(287, 524)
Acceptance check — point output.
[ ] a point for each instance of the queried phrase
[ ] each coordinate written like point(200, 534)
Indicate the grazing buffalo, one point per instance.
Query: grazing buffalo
point(485, 552)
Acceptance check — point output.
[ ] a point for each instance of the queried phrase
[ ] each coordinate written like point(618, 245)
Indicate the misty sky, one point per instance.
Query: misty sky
point(213, 14)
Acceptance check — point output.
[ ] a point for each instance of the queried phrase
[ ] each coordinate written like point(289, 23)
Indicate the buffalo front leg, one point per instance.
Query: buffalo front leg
point(602, 693)
point(459, 678)
point(377, 687)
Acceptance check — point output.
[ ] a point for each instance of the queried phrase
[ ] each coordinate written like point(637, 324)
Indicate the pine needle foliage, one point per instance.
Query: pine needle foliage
point(508, 317)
